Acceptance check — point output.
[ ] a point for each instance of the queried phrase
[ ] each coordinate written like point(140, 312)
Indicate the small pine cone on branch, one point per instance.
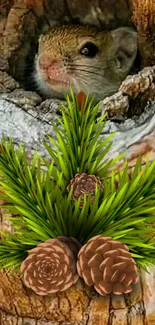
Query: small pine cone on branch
point(107, 265)
point(51, 266)
point(84, 184)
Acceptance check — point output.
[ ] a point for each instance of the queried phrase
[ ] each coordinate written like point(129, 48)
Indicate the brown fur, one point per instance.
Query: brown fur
point(102, 74)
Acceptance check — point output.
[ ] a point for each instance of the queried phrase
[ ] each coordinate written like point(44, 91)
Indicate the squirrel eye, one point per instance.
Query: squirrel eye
point(89, 49)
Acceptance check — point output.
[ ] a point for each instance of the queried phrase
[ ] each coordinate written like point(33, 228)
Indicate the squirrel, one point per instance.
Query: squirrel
point(88, 60)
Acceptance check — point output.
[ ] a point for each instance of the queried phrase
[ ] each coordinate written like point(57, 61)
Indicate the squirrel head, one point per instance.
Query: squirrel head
point(92, 61)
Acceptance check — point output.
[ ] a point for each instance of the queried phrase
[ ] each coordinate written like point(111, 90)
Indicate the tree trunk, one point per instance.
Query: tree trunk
point(19, 22)
point(80, 305)
point(143, 17)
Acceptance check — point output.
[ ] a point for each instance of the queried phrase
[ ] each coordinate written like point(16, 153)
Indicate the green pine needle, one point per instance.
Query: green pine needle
point(125, 213)
point(79, 147)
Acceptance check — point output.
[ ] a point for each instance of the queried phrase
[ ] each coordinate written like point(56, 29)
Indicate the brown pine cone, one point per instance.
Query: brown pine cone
point(83, 183)
point(107, 265)
point(50, 267)
point(72, 243)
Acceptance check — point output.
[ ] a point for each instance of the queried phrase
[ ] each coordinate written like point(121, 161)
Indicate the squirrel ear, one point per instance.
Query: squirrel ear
point(124, 47)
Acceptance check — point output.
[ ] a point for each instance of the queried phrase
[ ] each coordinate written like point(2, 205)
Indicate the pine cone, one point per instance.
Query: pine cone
point(50, 267)
point(72, 243)
point(83, 183)
point(107, 265)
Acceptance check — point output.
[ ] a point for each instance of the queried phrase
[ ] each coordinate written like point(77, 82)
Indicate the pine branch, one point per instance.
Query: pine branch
point(14, 248)
point(125, 213)
point(29, 190)
point(79, 146)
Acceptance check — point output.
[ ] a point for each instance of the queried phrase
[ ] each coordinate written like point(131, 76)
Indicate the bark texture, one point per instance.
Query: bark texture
point(79, 305)
point(22, 18)
point(26, 117)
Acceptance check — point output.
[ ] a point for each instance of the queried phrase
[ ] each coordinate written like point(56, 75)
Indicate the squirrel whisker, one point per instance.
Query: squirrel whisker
point(86, 71)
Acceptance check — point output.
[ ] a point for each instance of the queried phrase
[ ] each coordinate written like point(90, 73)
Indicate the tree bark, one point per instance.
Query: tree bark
point(143, 17)
point(22, 18)
point(79, 305)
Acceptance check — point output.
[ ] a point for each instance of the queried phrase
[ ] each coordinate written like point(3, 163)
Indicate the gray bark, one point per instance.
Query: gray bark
point(25, 118)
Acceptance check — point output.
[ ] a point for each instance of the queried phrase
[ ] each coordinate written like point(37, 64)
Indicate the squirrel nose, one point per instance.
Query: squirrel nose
point(45, 62)
point(52, 67)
